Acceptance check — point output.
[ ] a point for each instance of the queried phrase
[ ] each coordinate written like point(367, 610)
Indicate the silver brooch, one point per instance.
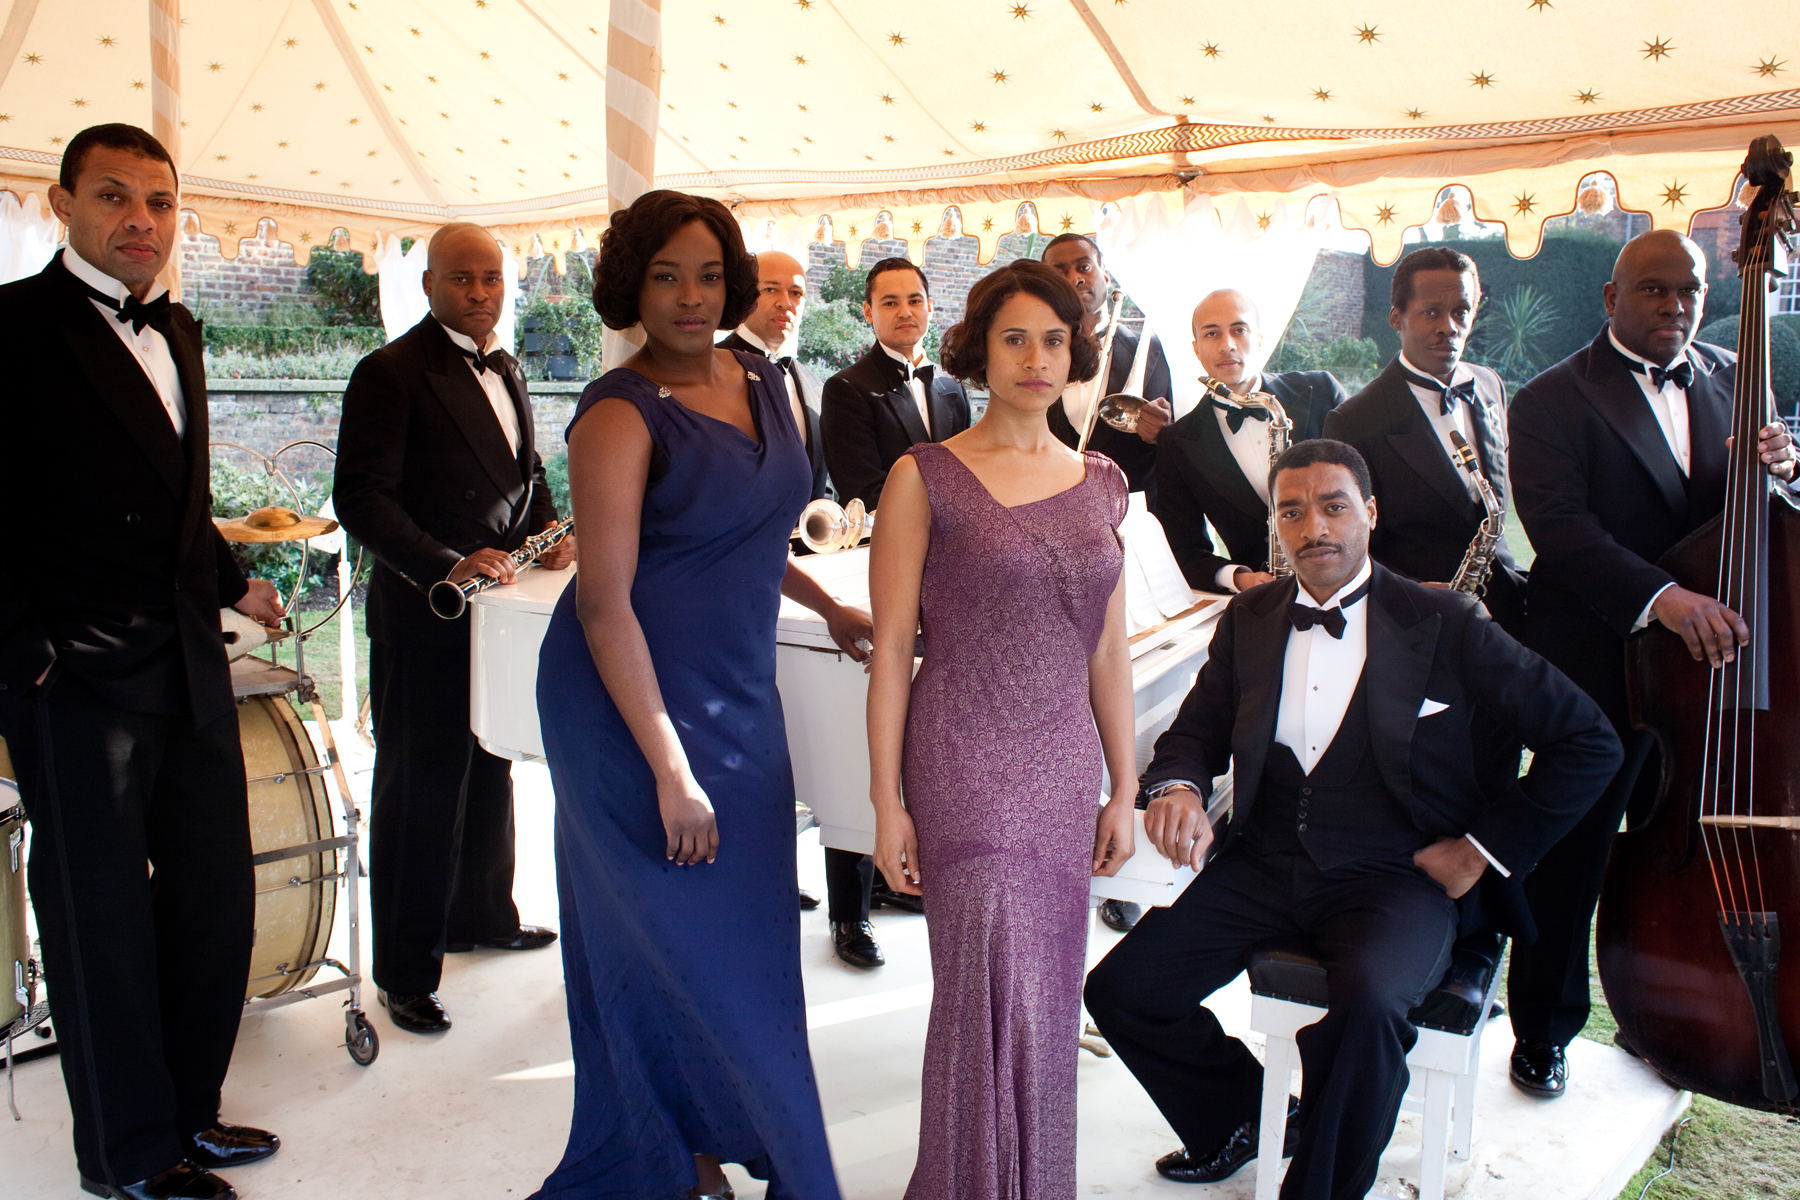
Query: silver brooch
point(663, 393)
point(753, 376)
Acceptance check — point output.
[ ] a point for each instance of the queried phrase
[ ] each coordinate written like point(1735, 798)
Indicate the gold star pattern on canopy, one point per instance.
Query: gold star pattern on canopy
point(398, 116)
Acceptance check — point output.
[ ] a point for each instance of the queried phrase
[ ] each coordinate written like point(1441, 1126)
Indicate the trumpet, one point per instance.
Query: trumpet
point(826, 528)
point(450, 600)
point(1281, 427)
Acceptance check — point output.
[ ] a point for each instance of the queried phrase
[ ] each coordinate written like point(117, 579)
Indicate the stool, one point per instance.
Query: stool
point(1288, 992)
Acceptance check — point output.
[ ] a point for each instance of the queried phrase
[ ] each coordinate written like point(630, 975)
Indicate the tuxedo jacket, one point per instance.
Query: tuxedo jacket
point(868, 419)
point(1424, 644)
point(1602, 499)
point(425, 477)
point(1199, 480)
point(129, 605)
point(811, 389)
point(1135, 456)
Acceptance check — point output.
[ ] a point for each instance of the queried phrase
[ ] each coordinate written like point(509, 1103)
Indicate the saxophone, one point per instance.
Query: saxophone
point(1281, 426)
point(1478, 561)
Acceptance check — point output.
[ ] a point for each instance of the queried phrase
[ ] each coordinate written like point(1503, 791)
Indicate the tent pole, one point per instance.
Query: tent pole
point(633, 98)
point(165, 104)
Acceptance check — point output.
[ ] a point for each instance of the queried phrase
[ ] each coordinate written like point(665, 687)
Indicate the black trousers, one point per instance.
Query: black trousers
point(1547, 993)
point(1382, 928)
point(146, 964)
point(440, 819)
point(849, 878)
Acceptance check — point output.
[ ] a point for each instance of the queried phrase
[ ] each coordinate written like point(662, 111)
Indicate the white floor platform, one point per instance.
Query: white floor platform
point(483, 1111)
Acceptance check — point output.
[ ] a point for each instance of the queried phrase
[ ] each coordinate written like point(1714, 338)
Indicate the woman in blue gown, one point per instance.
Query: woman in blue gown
point(665, 740)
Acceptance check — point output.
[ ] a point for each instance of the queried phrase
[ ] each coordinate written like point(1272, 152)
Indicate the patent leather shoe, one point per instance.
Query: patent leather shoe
point(230, 1146)
point(882, 894)
point(183, 1181)
point(1540, 1069)
point(808, 901)
point(854, 942)
point(529, 937)
point(423, 1013)
point(1223, 1161)
point(1120, 915)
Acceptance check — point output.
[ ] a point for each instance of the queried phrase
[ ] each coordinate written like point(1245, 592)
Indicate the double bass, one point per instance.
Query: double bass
point(1695, 897)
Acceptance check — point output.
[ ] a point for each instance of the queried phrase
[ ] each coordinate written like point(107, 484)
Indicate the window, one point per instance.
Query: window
point(1787, 296)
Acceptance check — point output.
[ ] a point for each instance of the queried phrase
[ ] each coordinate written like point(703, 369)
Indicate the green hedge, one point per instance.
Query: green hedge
point(1784, 354)
point(267, 340)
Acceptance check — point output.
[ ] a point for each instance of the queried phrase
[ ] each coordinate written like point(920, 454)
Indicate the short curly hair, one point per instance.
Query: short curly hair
point(638, 232)
point(965, 343)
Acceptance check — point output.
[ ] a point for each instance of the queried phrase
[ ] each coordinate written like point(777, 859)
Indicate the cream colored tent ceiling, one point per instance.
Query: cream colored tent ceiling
point(399, 115)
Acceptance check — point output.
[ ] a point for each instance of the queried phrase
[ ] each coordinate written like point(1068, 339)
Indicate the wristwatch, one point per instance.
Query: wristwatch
point(1165, 787)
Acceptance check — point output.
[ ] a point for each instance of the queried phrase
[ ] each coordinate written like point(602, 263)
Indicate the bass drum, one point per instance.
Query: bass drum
point(296, 893)
point(17, 980)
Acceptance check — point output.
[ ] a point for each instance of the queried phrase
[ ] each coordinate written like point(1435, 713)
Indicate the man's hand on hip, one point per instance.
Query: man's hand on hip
point(1454, 862)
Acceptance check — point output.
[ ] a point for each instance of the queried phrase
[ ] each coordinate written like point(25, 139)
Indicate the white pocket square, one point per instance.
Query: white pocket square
point(1431, 707)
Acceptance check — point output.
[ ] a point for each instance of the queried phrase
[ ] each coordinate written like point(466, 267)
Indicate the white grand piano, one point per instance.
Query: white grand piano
point(824, 692)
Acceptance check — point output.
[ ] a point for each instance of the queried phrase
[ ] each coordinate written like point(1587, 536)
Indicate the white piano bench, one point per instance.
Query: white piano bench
point(1288, 993)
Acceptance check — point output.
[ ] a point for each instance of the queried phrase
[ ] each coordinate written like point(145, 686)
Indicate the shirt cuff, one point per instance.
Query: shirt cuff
point(1227, 577)
point(1648, 615)
point(1492, 861)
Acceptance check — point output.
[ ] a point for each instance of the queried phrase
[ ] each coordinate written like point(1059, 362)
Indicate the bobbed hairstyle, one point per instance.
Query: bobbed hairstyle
point(110, 137)
point(965, 343)
point(1432, 258)
point(892, 264)
point(1324, 450)
point(638, 232)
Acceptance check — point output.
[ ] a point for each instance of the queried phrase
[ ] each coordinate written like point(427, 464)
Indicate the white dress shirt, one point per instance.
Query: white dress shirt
point(1319, 675)
point(1668, 403)
point(148, 346)
point(1460, 417)
point(1249, 447)
point(493, 384)
point(913, 382)
point(775, 354)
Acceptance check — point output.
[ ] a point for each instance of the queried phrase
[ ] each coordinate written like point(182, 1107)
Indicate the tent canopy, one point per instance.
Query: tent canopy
point(399, 115)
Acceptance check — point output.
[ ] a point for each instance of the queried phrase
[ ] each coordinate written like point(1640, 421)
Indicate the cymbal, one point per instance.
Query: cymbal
point(273, 524)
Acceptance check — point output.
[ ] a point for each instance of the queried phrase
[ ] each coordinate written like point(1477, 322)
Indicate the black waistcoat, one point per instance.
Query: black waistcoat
point(1341, 811)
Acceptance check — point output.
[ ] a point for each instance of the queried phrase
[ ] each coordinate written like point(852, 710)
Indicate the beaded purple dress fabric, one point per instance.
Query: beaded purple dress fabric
point(1001, 773)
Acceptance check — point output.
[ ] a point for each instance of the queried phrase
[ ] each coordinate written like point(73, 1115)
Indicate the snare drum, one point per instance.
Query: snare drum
point(296, 883)
point(16, 981)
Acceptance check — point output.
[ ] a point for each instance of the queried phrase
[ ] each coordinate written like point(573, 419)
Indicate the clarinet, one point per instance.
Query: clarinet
point(449, 600)
point(1478, 561)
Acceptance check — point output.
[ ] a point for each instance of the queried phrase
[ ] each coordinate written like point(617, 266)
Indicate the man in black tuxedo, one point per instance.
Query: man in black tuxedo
point(438, 476)
point(1213, 464)
point(892, 398)
point(773, 331)
point(1401, 422)
point(1618, 454)
point(115, 697)
point(1078, 260)
point(1360, 819)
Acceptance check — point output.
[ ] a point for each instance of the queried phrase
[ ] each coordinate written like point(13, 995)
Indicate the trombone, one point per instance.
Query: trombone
point(826, 528)
point(1120, 409)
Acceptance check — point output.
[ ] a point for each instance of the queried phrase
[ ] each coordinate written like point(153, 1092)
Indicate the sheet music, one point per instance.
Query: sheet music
point(1141, 610)
point(1145, 540)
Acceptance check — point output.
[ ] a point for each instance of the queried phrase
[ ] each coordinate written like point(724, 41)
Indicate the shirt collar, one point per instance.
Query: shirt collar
point(1302, 596)
point(1635, 357)
point(772, 353)
point(1461, 374)
point(100, 281)
point(1255, 386)
point(914, 363)
point(465, 342)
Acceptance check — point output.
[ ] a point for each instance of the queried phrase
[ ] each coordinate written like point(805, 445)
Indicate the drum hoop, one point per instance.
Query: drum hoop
point(309, 784)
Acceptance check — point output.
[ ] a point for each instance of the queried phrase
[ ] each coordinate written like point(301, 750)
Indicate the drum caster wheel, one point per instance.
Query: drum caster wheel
point(360, 1039)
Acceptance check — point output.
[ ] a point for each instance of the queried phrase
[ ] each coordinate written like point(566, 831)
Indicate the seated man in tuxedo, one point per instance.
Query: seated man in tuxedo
point(1359, 820)
point(1078, 260)
point(1212, 466)
point(1430, 507)
point(438, 475)
point(892, 398)
point(1618, 454)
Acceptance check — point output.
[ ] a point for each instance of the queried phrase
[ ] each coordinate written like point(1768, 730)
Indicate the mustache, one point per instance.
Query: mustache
point(1319, 544)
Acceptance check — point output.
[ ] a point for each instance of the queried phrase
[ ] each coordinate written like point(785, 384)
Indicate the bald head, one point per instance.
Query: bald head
point(780, 300)
point(1657, 295)
point(1228, 337)
point(465, 280)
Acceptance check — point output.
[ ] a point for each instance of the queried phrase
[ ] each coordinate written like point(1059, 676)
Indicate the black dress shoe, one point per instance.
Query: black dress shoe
point(1539, 1069)
point(882, 894)
point(417, 1014)
point(230, 1146)
point(529, 937)
point(808, 901)
point(1120, 914)
point(1223, 1161)
point(855, 944)
point(183, 1181)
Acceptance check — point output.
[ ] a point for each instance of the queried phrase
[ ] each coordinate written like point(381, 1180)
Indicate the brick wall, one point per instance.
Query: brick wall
point(1337, 283)
point(243, 290)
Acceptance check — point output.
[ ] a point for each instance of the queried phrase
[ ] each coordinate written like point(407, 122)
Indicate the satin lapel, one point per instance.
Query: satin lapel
point(1416, 442)
point(190, 366)
point(1261, 651)
point(1489, 424)
point(940, 398)
point(900, 402)
point(520, 392)
point(1212, 457)
point(468, 406)
point(1402, 644)
point(120, 382)
point(1613, 391)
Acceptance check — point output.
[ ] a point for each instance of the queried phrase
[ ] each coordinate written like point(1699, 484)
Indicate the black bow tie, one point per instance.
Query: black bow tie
point(1447, 395)
point(156, 314)
point(496, 360)
point(922, 374)
point(1236, 415)
point(1331, 620)
point(1680, 373)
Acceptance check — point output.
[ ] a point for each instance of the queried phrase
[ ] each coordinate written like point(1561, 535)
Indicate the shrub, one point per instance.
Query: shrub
point(556, 473)
point(328, 364)
point(1354, 361)
point(555, 319)
point(262, 341)
point(348, 295)
point(1784, 354)
point(833, 335)
point(1513, 337)
point(236, 492)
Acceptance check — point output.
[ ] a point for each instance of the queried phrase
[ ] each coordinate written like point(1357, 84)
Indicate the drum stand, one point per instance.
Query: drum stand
point(24, 979)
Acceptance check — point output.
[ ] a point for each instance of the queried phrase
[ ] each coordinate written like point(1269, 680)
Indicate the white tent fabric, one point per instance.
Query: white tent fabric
point(29, 235)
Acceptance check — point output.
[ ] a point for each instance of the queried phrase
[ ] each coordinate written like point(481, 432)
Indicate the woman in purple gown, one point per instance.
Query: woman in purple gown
point(1001, 545)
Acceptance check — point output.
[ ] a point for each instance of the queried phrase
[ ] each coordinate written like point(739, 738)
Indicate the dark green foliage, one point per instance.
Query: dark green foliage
point(844, 283)
point(236, 492)
point(556, 474)
point(1514, 335)
point(348, 295)
point(833, 334)
point(1784, 354)
point(1354, 361)
point(1569, 270)
point(570, 317)
point(269, 340)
